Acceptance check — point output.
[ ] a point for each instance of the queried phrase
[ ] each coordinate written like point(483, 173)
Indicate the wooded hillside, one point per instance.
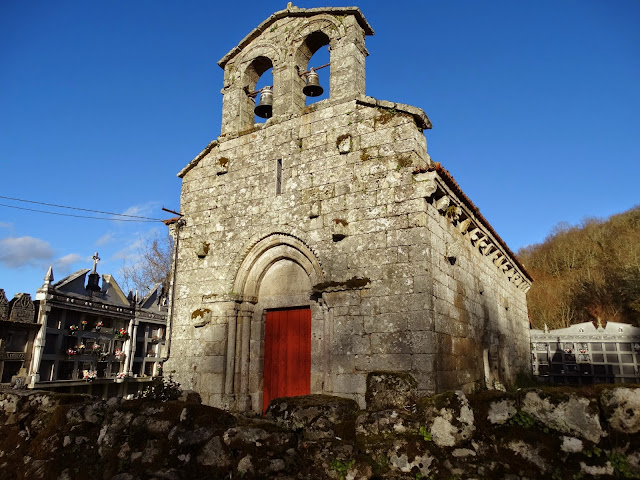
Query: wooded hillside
point(585, 272)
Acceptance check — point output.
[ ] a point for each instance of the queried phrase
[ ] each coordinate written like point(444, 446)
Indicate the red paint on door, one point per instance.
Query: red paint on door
point(287, 354)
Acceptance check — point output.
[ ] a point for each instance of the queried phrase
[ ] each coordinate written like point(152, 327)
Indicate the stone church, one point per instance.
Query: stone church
point(324, 244)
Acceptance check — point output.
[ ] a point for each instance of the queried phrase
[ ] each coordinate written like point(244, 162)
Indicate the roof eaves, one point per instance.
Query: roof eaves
point(197, 159)
point(418, 114)
point(70, 278)
point(453, 185)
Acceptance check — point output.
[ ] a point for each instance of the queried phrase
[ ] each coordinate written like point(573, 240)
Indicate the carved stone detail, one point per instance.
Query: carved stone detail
point(22, 309)
point(4, 306)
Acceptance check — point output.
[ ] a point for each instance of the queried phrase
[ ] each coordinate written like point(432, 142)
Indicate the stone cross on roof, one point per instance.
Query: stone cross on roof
point(96, 259)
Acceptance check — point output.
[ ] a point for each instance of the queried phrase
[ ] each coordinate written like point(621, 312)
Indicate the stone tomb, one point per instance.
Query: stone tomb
point(334, 210)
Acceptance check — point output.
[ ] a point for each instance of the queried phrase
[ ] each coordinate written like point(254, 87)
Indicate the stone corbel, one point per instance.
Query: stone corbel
point(463, 226)
point(474, 235)
point(443, 204)
point(340, 229)
point(315, 209)
point(426, 188)
point(499, 261)
point(489, 249)
point(221, 166)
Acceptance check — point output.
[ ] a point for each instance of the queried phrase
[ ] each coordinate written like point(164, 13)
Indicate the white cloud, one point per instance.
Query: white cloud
point(149, 209)
point(64, 263)
point(106, 238)
point(18, 252)
point(130, 252)
point(6, 225)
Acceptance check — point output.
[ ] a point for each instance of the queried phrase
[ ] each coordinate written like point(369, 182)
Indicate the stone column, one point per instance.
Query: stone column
point(287, 94)
point(348, 63)
point(38, 344)
point(237, 106)
point(231, 358)
point(129, 347)
point(245, 316)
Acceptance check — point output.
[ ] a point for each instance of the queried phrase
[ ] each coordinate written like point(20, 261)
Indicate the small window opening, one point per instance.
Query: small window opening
point(279, 176)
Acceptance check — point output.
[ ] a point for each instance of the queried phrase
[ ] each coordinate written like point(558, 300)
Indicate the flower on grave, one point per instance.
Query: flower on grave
point(83, 322)
point(121, 375)
point(119, 354)
point(89, 375)
point(96, 348)
point(122, 333)
point(73, 328)
point(71, 351)
point(80, 347)
point(99, 324)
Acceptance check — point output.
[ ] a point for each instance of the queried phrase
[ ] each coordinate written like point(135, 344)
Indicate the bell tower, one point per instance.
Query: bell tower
point(285, 42)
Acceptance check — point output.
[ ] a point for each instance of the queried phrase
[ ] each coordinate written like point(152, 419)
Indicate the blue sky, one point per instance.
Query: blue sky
point(534, 108)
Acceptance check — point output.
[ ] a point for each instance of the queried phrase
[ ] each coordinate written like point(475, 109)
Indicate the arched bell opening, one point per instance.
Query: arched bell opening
point(258, 79)
point(311, 55)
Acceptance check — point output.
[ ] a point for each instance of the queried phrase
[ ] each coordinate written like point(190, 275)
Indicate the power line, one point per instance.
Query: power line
point(73, 208)
point(78, 216)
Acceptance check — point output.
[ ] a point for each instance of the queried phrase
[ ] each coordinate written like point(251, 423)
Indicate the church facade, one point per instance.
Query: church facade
point(324, 243)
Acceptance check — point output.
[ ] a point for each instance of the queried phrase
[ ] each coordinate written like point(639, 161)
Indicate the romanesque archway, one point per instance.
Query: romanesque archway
point(273, 324)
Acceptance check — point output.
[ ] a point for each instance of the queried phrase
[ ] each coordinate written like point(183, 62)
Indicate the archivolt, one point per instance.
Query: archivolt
point(266, 252)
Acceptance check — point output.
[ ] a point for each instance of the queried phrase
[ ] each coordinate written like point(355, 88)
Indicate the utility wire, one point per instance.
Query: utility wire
point(74, 208)
point(78, 216)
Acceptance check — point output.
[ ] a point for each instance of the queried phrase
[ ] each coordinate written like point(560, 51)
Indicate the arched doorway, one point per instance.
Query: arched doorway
point(274, 354)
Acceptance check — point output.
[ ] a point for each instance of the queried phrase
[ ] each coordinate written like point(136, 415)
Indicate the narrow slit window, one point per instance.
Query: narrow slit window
point(279, 176)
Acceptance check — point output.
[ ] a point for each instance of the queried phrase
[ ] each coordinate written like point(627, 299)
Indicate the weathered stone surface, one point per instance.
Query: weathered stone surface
point(622, 409)
point(244, 437)
point(501, 411)
point(409, 457)
point(571, 444)
point(318, 416)
point(22, 309)
point(571, 414)
point(597, 470)
point(529, 453)
point(48, 436)
point(214, 454)
point(386, 422)
point(390, 390)
point(4, 306)
point(449, 418)
point(191, 438)
point(190, 396)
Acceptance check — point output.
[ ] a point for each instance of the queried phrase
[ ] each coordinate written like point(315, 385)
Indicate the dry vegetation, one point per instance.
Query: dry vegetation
point(586, 272)
point(151, 265)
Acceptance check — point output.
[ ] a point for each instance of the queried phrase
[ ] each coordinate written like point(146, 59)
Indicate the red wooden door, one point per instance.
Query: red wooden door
point(287, 354)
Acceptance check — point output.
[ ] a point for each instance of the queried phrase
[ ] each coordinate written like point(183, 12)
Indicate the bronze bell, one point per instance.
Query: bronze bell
point(312, 88)
point(264, 109)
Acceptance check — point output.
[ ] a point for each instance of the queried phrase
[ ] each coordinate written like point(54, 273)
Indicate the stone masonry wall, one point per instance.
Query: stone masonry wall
point(531, 434)
point(347, 171)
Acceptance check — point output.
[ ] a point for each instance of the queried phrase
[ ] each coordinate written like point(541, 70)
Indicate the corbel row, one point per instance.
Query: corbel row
point(459, 216)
